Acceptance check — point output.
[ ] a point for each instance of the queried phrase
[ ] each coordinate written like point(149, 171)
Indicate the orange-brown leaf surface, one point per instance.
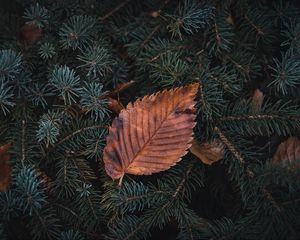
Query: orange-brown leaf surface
point(152, 134)
point(5, 170)
point(288, 151)
point(208, 152)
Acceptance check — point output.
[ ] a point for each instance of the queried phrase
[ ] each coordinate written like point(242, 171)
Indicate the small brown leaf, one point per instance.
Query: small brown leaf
point(155, 14)
point(152, 134)
point(288, 151)
point(230, 20)
point(115, 105)
point(31, 33)
point(257, 100)
point(208, 153)
point(46, 180)
point(5, 169)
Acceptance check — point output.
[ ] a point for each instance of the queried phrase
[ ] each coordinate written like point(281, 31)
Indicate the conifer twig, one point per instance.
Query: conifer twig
point(293, 201)
point(230, 146)
point(79, 131)
point(180, 186)
point(137, 228)
point(234, 151)
point(23, 143)
point(151, 34)
point(117, 8)
point(269, 196)
point(257, 117)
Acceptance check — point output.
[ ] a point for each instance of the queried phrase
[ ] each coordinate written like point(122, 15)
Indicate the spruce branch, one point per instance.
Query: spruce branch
point(6, 97)
point(66, 83)
point(190, 18)
point(96, 60)
point(37, 15)
point(285, 73)
point(78, 32)
point(56, 106)
point(116, 9)
point(78, 131)
point(10, 64)
point(93, 100)
point(133, 232)
point(47, 50)
point(234, 151)
point(23, 139)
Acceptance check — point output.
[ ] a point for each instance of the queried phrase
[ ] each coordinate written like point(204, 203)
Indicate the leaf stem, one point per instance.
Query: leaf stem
point(121, 179)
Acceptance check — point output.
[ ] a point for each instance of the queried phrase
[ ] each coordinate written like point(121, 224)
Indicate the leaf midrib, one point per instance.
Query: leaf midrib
point(151, 137)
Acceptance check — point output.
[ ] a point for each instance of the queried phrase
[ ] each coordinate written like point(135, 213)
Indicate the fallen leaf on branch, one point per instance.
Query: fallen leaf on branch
point(257, 100)
point(208, 153)
point(152, 134)
point(288, 151)
point(5, 169)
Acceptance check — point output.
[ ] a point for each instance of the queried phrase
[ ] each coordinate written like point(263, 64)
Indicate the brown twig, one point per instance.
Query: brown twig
point(113, 11)
point(258, 117)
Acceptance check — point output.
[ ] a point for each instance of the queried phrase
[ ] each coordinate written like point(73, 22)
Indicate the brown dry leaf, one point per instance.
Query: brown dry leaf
point(257, 99)
point(115, 105)
point(5, 169)
point(208, 153)
point(288, 151)
point(229, 19)
point(155, 14)
point(31, 33)
point(152, 134)
point(46, 180)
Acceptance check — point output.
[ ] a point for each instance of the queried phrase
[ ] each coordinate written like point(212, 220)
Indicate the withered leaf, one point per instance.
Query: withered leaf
point(5, 169)
point(230, 20)
point(208, 152)
point(115, 105)
point(31, 33)
point(155, 14)
point(46, 180)
point(152, 134)
point(288, 151)
point(257, 100)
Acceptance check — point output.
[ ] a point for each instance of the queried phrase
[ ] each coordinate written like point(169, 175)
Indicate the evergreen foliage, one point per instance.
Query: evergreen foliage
point(37, 14)
point(55, 111)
